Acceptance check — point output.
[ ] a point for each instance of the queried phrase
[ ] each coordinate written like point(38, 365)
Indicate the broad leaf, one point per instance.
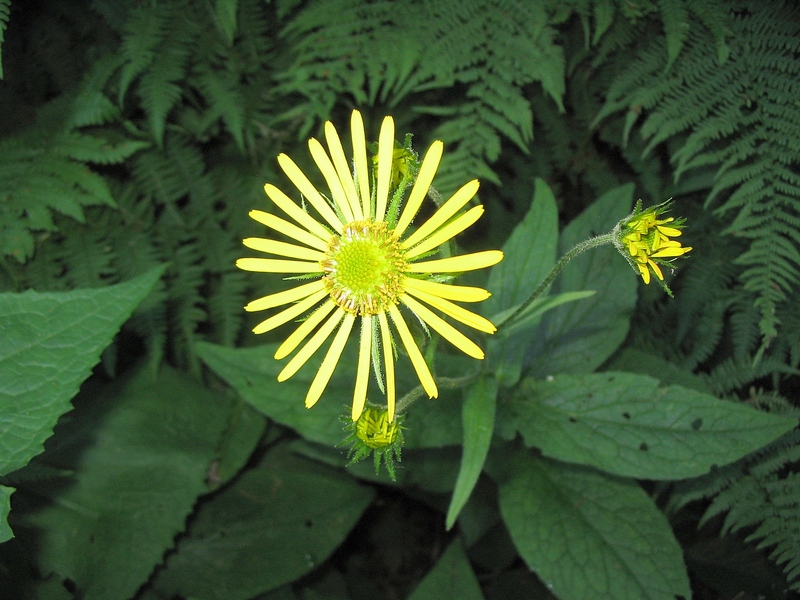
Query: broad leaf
point(590, 536)
point(277, 522)
point(579, 336)
point(626, 424)
point(529, 255)
point(253, 372)
point(451, 577)
point(51, 342)
point(140, 451)
point(478, 419)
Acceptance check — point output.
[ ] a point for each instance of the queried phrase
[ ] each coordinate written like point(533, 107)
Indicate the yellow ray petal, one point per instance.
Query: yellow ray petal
point(669, 231)
point(645, 273)
point(290, 313)
point(306, 327)
point(308, 190)
point(285, 297)
point(421, 186)
point(312, 345)
point(385, 155)
point(360, 160)
point(283, 249)
point(450, 230)
point(286, 204)
point(388, 355)
point(456, 312)
point(457, 264)
point(343, 169)
point(289, 229)
point(274, 265)
point(447, 331)
point(656, 269)
point(449, 291)
point(441, 216)
point(362, 371)
point(671, 252)
point(323, 376)
point(417, 360)
point(331, 177)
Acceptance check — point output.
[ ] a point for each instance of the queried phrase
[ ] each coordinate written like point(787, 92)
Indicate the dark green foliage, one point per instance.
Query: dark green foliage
point(734, 117)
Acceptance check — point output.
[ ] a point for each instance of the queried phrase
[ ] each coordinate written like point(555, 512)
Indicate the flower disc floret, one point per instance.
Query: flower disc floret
point(364, 267)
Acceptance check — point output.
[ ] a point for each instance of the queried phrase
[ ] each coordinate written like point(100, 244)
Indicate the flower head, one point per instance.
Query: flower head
point(645, 240)
point(375, 433)
point(366, 263)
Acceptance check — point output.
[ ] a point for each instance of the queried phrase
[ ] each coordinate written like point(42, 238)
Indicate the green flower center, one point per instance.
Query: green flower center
point(375, 430)
point(363, 268)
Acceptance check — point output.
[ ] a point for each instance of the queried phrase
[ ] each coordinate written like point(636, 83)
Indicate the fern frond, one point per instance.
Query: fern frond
point(739, 117)
point(5, 12)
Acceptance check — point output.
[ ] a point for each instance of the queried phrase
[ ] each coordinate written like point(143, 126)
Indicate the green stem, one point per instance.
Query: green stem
point(443, 383)
point(580, 248)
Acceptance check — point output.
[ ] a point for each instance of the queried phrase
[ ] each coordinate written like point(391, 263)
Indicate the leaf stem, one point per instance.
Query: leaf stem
point(579, 248)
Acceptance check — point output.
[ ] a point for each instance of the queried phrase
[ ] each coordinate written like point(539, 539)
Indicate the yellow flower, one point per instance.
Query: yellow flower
point(646, 238)
point(365, 262)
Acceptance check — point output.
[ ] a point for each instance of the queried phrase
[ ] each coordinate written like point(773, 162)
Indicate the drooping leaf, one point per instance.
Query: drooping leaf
point(478, 418)
point(626, 424)
point(277, 522)
point(141, 450)
point(590, 536)
point(51, 342)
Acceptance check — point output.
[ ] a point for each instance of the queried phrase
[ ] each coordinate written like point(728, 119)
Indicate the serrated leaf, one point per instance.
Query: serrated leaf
point(590, 536)
point(477, 415)
point(579, 336)
point(451, 577)
point(277, 522)
point(522, 269)
point(141, 450)
point(51, 341)
point(627, 425)
point(5, 508)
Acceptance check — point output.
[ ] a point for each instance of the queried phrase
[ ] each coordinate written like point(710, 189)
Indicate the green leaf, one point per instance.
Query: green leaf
point(579, 336)
point(522, 269)
point(140, 450)
point(253, 373)
point(276, 523)
point(529, 317)
point(478, 418)
point(588, 535)
point(50, 344)
point(226, 18)
point(676, 27)
point(451, 577)
point(5, 508)
point(625, 424)
point(5, 10)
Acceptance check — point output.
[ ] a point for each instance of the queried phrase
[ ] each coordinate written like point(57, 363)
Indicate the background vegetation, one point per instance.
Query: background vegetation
point(136, 136)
